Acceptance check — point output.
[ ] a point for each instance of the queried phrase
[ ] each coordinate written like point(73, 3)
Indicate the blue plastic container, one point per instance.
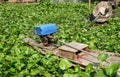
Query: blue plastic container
point(45, 29)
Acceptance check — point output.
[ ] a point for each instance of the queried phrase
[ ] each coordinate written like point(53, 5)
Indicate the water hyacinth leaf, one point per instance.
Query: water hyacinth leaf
point(84, 74)
point(89, 68)
point(48, 54)
point(18, 21)
point(12, 70)
point(46, 74)
point(70, 75)
point(112, 68)
point(1, 46)
point(23, 72)
point(21, 36)
point(34, 71)
point(102, 57)
point(19, 65)
point(100, 74)
point(77, 68)
point(64, 64)
point(2, 56)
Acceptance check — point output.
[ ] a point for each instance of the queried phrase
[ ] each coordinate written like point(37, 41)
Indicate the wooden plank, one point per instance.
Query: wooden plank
point(21, 0)
point(68, 55)
point(66, 48)
point(1, 0)
point(78, 46)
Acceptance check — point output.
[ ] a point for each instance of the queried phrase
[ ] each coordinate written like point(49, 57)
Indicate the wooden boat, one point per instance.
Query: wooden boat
point(76, 52)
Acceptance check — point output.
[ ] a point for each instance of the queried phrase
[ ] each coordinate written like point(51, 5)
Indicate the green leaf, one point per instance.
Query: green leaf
point(84, 74)
point(2, 55)
point(34, 71)
point(30, 65)
point(100, 74)
point(89, 68)
point(8, 58)
point(12, 69)
point(19, 65)
point(102, 57)
point(23, 73)
point(77, 68)
point(64, 64)
point(48, 54)
point(18, 21)
point(70, 75)
point(1, 45)
point(92, 44)
point(112, 68)
point(46, 74)
point(21, 36)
